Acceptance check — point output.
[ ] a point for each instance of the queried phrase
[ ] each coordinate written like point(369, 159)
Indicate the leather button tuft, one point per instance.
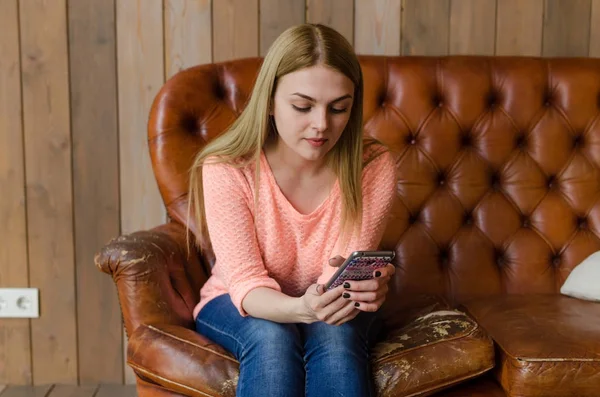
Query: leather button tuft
point(413, 218)
point(582, 223)
point(189, 124)
point(441, 179)
point(219, 90)
point(466, 139)
point(578, 140)
point(444, 256)
point(492, 98)
point(468, 220)
point(521, 141)
point(525, 222)
point(556, 261)
point(495, 181)
point(500, 259)
point(551, 181)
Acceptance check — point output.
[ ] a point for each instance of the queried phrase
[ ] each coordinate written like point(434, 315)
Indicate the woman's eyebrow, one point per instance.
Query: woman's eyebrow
point(313, 100)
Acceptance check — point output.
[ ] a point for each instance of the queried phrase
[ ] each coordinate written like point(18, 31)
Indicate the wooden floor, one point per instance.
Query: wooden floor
point(68, 391)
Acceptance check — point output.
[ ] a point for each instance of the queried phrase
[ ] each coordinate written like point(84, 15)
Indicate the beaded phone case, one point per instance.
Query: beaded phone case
point(360, 266)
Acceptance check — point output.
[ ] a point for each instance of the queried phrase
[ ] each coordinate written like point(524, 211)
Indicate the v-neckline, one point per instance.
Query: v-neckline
point(284, 199)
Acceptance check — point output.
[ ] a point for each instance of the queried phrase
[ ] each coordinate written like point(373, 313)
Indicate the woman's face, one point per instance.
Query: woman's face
point(311, 109)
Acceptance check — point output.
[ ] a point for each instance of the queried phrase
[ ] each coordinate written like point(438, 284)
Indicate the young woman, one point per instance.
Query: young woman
point(286, 193)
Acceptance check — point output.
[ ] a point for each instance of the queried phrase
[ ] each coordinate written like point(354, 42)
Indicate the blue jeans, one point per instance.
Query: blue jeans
point(293, 359)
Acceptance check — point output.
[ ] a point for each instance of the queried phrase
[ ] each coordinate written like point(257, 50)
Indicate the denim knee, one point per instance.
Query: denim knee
point(337, 360)
point(272, 340)
point(338, 338)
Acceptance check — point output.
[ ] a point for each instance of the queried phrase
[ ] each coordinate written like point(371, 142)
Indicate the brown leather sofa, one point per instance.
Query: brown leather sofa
point(497, 201)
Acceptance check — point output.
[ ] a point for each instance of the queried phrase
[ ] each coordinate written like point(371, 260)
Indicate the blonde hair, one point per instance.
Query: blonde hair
point(298, 47)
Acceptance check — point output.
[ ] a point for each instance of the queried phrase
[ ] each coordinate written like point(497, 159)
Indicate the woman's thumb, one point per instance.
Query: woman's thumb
point(336, 261)
point(320, 289)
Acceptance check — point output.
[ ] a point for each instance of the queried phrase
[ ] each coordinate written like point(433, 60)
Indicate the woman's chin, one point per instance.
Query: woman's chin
point(313, 154)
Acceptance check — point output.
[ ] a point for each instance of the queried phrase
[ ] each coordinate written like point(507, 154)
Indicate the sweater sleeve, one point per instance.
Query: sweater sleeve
point(378, 187)
point(230, 222)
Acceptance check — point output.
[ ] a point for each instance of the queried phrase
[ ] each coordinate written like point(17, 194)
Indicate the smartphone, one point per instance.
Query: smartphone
point(360, 266)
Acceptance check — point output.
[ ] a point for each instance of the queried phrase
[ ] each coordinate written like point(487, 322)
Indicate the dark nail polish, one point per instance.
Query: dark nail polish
point(346, 295)
point(377, 273)
point(346, 285)
point(357, 304)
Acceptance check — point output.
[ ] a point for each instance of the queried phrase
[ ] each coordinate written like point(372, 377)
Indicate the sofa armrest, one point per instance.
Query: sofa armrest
point(182, 360)
point(157, 281)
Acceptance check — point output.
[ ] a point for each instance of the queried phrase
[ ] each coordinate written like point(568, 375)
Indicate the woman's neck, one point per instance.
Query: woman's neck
point(281, 156)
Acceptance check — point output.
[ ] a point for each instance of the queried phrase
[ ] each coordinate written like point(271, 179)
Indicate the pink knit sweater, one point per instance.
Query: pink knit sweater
point(279, 247)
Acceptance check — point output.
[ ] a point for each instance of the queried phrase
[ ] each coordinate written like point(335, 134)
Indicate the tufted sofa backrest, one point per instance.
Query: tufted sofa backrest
point(498, 171)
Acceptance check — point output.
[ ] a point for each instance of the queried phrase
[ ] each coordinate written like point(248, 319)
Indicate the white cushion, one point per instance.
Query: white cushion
point(584, 280)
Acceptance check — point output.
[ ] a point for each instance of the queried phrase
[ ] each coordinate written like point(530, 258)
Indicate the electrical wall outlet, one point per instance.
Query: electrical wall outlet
point(19, 303)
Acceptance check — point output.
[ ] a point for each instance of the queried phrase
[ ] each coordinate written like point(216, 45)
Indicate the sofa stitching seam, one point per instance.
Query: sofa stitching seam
point(453, 382)
point(539, 360)
point(462, 336)
point(193, 344)
point(147, 372)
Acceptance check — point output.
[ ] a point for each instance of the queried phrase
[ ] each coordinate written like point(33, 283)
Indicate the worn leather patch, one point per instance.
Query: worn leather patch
point(434, 351)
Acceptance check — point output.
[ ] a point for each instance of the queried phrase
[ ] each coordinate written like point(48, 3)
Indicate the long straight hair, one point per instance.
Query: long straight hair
point(296, 48)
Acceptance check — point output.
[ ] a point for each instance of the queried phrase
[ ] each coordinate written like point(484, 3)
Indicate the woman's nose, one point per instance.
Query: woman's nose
point(320, 120)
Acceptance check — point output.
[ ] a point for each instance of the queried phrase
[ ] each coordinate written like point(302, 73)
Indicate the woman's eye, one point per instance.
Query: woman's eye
point(334, 110)
point(301, 109)
point(306, 109)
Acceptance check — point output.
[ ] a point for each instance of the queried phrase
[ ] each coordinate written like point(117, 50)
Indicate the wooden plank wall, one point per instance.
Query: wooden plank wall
point(76, 82)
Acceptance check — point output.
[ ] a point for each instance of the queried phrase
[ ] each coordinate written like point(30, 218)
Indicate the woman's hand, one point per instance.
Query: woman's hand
point(369, 295)
point(330, 307)
point(343, 303)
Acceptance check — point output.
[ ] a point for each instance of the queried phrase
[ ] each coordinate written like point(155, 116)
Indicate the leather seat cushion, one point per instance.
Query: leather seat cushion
point(436, 348)
point(428, 348)
point(482, 386)
point(547, 344)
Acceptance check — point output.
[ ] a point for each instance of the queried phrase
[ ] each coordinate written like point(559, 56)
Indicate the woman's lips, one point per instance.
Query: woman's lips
point(317, 142)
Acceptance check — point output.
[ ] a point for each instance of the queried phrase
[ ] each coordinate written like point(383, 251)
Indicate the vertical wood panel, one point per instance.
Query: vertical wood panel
point(519, 27)
point(140, 76)
point(235, 29)
point(140, 71)
point(595, 30)
point(566, 27)
point(425, 26)
point(339, 14)
point(275, 17)
point(49, 188)
point(472, 27)
point(15, 344)
point(188, 34)
point(92, 55)
point(377, 27)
